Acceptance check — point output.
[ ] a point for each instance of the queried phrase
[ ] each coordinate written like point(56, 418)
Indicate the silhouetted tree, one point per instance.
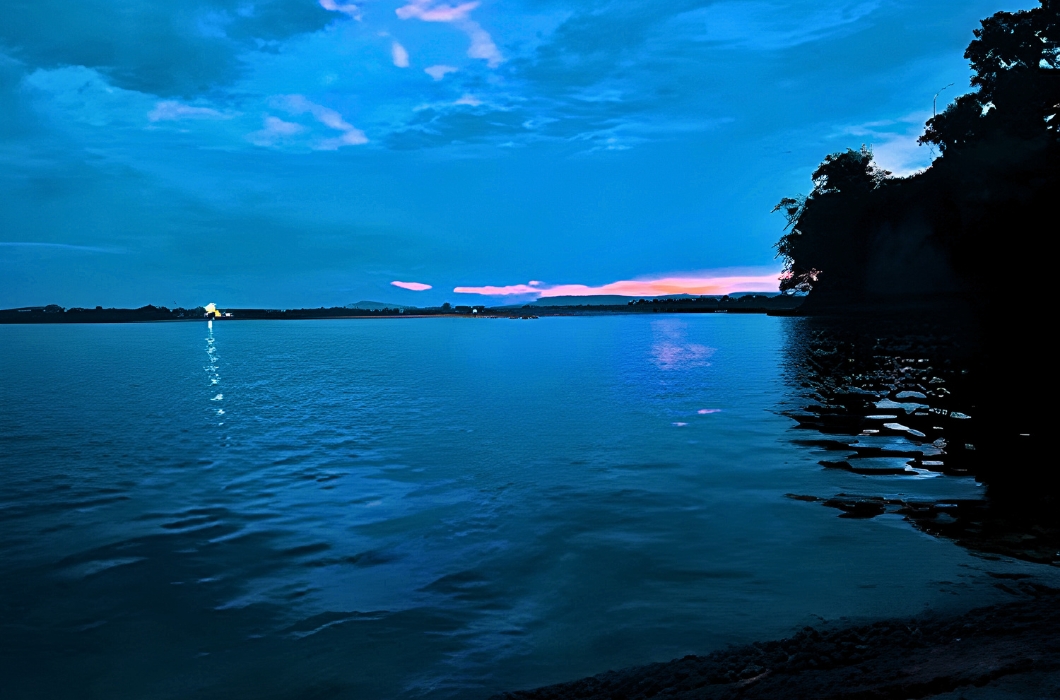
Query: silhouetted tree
point(984, 203)
point(1015, 57)
point(822, 227)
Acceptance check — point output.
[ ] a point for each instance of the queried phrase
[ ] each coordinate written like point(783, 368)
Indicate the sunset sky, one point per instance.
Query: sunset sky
point(306, 153)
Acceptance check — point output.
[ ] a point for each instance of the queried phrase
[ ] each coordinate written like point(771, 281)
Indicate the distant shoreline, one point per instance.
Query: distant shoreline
point(750, 304)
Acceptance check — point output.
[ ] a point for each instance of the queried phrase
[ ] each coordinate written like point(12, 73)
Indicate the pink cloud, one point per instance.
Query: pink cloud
point(498, 291)
point(347, 9)
point(421, 9)
point(707, 411)
point(639, 288)
point(414, 286)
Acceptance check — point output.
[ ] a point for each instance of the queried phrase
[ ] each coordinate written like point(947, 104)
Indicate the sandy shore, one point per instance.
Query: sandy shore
point(1003, 651)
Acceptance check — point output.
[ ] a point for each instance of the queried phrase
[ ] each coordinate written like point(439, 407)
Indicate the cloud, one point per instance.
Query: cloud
point(169, 49)
point(639, 288)
point(894, 142)
point(902, 154)
point(765, 26)
point(422, 10)
point(400, 55)
point(461, 121)
point(438, 72)
point(414, 286)
point(490, 291)
point(275, 130)
point(482, 46)
point(171, 110)
point(298, 105)
point(78, 95)
point(353, 137)
point(350, 9)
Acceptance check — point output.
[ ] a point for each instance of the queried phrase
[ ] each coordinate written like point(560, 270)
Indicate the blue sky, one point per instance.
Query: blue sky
point(304, 153)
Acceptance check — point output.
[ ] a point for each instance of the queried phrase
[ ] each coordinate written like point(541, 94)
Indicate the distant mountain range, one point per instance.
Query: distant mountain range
point(377, 306)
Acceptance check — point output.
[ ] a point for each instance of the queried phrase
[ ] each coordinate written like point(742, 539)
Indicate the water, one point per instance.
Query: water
point(424, 507)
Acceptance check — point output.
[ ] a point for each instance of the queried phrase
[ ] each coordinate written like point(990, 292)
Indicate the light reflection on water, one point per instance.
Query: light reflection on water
point(671, 350)
point(211, 369)
point(440, 507)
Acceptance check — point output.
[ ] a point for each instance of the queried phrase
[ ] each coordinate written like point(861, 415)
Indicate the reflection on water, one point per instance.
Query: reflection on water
point(671, 349)
point(452, 507)
point(898, 393)
point(906, 397)
point(211, 371)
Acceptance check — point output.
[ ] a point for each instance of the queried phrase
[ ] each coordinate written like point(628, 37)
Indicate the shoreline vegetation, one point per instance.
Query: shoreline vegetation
point(746, 303)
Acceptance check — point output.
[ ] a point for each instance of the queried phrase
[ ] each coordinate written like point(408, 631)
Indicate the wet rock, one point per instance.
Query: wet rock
point(867, 470)
point(858, 508)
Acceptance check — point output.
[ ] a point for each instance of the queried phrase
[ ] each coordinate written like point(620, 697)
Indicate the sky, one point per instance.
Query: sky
point(289, 153)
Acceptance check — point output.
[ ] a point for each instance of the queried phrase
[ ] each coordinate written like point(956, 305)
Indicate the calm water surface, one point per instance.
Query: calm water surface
point(423, 508)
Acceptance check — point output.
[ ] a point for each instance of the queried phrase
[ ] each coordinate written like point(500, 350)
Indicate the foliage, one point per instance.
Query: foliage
point(842, 179)
point(998, 174)
point(848, 172)
point(1015, 57)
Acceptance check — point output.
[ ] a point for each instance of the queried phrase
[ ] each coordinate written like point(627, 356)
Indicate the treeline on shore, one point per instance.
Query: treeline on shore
point(57, 314)
point(751, 303)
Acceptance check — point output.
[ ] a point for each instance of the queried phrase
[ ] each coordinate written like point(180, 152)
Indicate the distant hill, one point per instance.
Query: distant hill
point(377, 306)
point(615, 299)
point(740, 295)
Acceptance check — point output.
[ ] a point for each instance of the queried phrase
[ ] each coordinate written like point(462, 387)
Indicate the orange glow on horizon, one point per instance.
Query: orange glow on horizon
point(639, 288)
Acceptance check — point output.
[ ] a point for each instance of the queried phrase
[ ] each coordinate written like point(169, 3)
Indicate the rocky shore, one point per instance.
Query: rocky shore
point(1009, 650)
